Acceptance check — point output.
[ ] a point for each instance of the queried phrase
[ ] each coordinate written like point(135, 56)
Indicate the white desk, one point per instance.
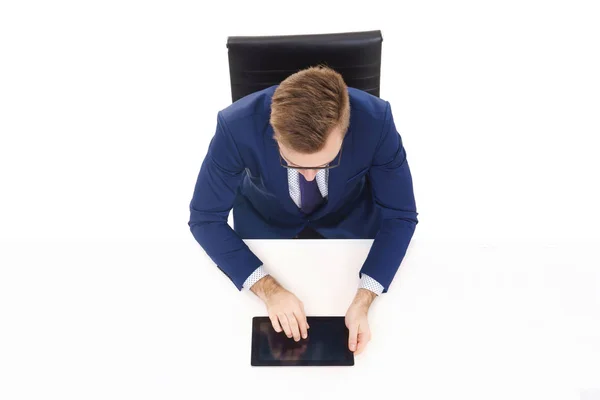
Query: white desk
point(160, 321)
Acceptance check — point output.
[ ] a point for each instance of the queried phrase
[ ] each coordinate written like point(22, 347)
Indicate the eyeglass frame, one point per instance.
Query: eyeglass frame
point(326, 166)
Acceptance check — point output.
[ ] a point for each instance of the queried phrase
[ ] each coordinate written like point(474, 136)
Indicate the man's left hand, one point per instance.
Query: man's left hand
point(357, 320)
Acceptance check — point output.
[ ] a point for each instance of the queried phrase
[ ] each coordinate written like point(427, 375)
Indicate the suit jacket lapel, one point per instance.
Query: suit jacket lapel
point(278, 175)
point(337, 179)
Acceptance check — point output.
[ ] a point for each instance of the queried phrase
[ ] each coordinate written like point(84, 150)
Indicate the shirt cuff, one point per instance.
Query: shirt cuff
point(366, 282)
point(254, 277)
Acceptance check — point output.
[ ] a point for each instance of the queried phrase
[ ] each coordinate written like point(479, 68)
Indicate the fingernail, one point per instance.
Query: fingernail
point(352, 347)
point(304, 336)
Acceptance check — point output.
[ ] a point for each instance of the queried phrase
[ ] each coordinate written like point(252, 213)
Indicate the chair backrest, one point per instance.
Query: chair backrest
point(258, 62)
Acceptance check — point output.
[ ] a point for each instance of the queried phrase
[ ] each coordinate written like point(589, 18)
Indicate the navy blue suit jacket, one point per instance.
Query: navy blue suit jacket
point(370, 193)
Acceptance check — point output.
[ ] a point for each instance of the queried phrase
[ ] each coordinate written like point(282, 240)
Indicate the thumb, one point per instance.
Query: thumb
point(353, 337)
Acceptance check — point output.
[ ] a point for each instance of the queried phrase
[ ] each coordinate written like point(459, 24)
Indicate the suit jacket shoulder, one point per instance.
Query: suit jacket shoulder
point(247, 119)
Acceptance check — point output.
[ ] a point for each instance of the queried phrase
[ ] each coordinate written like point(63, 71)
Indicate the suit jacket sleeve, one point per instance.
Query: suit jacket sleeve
point(392, 190)
point(220, 175)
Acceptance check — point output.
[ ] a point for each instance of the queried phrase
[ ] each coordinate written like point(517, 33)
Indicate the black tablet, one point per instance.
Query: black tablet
point(327, 344)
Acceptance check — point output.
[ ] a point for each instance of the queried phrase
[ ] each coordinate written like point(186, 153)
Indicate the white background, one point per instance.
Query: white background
point(107, 108)
point(158, 321)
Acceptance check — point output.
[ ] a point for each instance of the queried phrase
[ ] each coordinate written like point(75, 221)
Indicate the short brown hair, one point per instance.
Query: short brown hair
point(307, 106)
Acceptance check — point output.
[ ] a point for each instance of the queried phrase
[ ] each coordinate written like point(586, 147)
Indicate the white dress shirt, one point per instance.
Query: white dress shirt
point(366, 282)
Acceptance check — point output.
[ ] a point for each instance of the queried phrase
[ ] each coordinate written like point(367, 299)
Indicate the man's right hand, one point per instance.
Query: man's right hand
point(285, 310)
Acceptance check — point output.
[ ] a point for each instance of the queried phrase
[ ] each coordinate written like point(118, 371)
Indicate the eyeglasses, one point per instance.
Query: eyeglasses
point(329, 165)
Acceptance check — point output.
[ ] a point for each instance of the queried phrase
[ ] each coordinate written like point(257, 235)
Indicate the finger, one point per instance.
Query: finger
point(285, 324)
point(294, 326)
point(363, 339)
point(353, 337)
point(275, 323)
point(302, 324)
point(305, 317)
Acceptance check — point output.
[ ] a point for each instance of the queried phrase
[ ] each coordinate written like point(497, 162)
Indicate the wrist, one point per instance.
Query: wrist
point(364, 297)
point(266, 287)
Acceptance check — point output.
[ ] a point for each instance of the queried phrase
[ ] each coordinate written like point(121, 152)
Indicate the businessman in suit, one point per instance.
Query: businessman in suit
point(308, 158)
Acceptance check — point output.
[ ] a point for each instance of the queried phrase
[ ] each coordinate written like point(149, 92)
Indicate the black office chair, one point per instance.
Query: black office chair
point(257, 62)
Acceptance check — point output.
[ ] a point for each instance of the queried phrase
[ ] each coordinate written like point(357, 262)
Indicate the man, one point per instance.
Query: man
point(276, 159)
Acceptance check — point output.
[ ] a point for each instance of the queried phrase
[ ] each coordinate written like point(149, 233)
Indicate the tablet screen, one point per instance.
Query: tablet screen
point(327, 344)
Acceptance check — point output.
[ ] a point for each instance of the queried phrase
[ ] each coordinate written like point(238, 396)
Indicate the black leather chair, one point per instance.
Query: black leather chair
point(257, 62)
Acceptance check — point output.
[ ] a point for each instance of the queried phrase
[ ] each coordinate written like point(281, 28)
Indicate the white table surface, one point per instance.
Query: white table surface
point(159, 321)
